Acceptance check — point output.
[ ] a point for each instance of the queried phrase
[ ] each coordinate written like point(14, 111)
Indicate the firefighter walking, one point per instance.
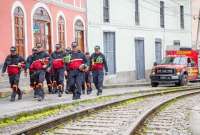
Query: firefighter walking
point(98, 63)
point(31, 71)
point(13, 64)
point(39, 66)
point(58, 68)
point(67, 60)
point(88, 76)
point(77, 64)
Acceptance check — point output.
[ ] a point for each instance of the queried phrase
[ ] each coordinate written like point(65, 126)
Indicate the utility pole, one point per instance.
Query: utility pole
point(198, 28)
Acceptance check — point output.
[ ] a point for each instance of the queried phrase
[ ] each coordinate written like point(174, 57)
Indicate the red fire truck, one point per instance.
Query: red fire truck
point(179, 67)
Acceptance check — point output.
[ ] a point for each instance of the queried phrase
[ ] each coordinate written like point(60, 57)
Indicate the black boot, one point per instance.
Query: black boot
point(20, 93)
point(40, 95)
point(99, 93)
point(59, 93)
point(74, 97)
point(60, 89)
point(67, 91)
point(13, 95)
point(50, 89)
point(35, 93)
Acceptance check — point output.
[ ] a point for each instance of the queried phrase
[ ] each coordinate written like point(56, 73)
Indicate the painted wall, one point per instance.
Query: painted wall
point(122, 22)
point(66, 8)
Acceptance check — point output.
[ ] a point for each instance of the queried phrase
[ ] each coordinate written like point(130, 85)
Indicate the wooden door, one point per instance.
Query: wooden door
point(43, 36)
point(19, 32)
point(42, 28)
point(80, 40)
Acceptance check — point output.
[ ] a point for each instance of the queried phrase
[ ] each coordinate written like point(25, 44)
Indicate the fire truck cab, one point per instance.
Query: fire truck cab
point(178, 67)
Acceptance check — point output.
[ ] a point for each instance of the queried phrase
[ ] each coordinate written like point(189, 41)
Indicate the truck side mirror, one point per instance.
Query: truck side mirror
point(155, 64)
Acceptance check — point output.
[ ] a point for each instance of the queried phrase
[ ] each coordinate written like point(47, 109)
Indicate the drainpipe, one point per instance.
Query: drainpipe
point(198, 28)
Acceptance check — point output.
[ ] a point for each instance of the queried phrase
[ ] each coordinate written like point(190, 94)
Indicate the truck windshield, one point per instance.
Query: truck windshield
point(171, 60)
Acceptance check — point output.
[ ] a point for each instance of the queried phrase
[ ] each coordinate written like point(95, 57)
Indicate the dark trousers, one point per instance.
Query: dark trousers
point(14, 80)
point(48, 77)
point(98, 77)
point(75, 83)
point(31, 75)
point(14, 84)
point(88, 80)
point(39, 77)
point(67, 83)
point(59, 76)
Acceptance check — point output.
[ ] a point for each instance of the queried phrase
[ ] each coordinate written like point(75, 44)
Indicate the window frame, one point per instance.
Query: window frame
point(182, 19)
point(162, 14)
point(106, 11)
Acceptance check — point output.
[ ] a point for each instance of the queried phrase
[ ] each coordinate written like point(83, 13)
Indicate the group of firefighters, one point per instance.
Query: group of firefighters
point(70, 64)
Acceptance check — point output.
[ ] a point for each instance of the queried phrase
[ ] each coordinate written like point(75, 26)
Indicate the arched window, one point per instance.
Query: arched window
point(41, 28)
point(61, 31)
point(79, 34)
point(19, 31)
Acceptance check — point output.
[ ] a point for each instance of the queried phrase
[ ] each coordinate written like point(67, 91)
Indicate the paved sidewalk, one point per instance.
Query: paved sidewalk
point(30, 104)
point(24, 85)
point(195, 120)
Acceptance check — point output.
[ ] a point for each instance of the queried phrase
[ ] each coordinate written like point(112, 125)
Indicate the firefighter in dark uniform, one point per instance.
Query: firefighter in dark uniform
point(77, 64)
point(59, 68)
point(13, 64)
point(40, 65)
point(49, 80)
point(98, 63)
point(66, 60)
point(87, 76)
point(31, 72)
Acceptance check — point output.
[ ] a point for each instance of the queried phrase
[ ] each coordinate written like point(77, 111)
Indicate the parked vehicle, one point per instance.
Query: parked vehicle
point(179, 67)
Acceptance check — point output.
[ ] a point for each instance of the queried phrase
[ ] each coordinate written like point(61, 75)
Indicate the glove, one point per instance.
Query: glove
point(66, 74)
point(106, 73)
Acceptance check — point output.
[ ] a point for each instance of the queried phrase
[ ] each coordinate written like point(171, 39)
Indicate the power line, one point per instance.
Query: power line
point(153, 4)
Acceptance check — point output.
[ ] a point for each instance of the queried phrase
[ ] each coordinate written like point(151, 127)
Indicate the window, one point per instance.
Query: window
point(79, 34)
point(162, 14)
point(106, 16)
point(61, 31)
point(177, 43)
point(158, 50)
point(137, 19)
point(19, 31)
point(182, 17)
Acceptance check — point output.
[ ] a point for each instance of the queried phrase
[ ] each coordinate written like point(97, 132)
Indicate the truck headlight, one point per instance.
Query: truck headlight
point(178, 71)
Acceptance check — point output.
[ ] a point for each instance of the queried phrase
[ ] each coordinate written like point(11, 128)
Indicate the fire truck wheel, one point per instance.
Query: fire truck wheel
point(154, 84)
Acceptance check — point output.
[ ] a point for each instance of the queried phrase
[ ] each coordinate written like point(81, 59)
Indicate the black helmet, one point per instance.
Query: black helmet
point(38, 45)
point(13, 49)
point(34, 49)
point(74, 44)
point(97, 47)
point(58, 46)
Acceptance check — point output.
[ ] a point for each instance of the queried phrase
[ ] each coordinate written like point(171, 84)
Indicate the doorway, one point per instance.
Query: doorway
point(139, 59)
point(42, 29)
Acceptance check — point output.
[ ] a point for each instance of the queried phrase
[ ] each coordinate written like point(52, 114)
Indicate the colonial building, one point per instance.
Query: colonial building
point(24, 23)
point(133, 34)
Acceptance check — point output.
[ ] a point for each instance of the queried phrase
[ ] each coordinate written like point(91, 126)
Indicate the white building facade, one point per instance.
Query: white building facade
point(133, 34)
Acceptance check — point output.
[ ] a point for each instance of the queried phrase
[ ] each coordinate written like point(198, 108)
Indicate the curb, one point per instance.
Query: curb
point(7, 91)
point(126, 85)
